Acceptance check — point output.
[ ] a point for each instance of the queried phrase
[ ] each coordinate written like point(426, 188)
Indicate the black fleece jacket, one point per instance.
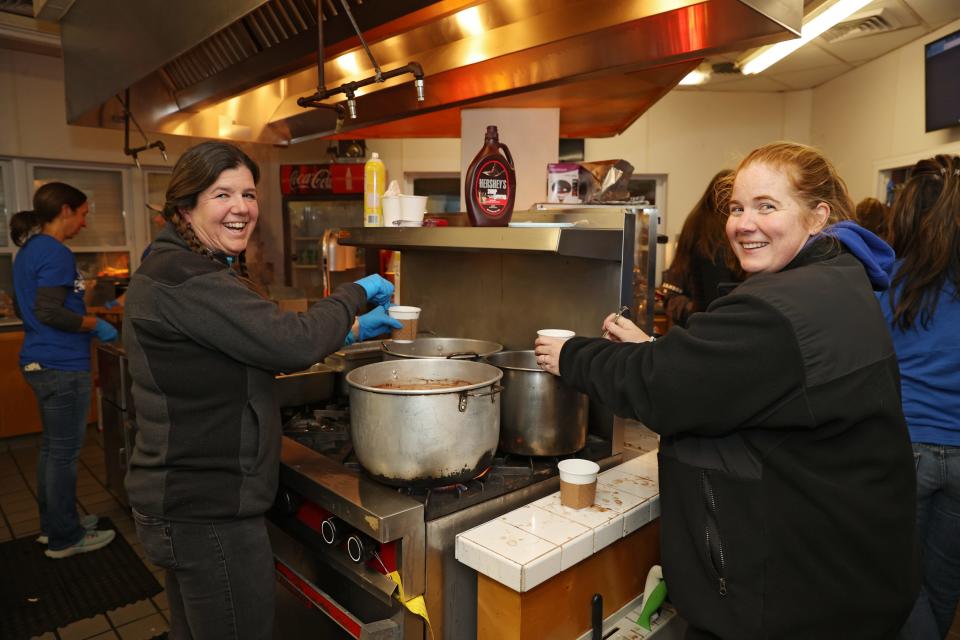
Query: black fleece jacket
point(786, 474)
point(203, 349)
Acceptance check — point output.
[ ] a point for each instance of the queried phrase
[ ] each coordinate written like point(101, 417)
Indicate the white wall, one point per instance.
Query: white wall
point(873, 117)
point(690, 135)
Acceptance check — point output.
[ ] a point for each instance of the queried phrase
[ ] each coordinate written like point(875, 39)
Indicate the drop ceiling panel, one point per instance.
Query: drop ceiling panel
point(860, 50)
point(811, 77)
point(935, 13)
point(747, 84)
point(807, 57)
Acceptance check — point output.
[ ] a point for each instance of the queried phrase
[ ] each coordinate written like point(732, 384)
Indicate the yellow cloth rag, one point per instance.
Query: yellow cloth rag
point(417, 605)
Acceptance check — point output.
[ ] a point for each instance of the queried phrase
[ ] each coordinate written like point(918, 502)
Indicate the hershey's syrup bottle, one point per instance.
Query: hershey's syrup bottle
point(491, 184)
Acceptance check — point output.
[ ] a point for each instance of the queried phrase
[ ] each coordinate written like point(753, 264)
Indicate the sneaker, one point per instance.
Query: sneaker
point(92, 541)
point(88, 522)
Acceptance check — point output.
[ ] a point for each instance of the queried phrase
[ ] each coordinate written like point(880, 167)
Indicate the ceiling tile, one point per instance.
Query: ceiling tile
point(936, 13)
point(810, 78)
point(745, 83)
point(859, 50)
point(809, 56)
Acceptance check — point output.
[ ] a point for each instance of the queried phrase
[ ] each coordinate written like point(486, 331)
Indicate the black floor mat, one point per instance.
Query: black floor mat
point(38, 594)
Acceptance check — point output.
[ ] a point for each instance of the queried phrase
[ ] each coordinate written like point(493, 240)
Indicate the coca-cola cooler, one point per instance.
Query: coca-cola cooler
point(318, 201)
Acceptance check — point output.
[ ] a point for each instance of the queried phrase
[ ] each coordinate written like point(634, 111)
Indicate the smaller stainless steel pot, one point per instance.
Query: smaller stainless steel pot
point(450, 348)
point(539, 415)
point(349, 358)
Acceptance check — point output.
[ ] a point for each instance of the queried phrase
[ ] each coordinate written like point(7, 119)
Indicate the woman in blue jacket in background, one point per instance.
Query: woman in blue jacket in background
point(55, 358)
point(923, 310)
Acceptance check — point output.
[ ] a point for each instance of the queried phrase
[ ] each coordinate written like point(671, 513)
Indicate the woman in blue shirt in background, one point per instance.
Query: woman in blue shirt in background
point(55, 358)
point(923, 310)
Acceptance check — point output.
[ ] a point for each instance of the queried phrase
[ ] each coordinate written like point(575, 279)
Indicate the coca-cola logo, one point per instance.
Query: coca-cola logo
point(310, 180)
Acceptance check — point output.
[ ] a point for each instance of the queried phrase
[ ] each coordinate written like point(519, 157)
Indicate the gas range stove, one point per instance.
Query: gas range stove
point(327, 432)
point(411, 531)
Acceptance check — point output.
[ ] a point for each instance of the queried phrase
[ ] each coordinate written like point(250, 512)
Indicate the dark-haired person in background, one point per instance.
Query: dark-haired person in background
point(55, 358)
point(871, 214)
point(703, 260)
point(923, 310)
point(204, 346)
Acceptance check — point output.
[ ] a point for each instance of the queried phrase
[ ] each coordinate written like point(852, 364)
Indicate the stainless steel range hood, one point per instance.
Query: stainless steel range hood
point(234, 69)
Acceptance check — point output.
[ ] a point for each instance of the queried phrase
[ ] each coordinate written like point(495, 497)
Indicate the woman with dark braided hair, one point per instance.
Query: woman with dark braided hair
point(204, 346)
point(55, 358)
point(923, 310)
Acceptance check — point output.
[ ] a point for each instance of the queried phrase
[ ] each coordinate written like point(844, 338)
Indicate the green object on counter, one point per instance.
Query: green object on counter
point(654, 593)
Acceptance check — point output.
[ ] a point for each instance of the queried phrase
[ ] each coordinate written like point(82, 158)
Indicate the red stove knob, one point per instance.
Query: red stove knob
point(361, 548)
point(333, 530)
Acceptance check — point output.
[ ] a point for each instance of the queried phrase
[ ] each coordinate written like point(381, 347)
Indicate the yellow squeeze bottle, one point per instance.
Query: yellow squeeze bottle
point(374, 184)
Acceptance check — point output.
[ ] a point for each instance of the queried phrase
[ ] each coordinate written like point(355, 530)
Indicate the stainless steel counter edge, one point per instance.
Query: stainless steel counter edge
point(372, 508)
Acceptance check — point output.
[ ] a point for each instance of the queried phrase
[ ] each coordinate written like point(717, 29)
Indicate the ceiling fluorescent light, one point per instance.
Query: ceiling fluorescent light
point(695, 77)
point(838, 12)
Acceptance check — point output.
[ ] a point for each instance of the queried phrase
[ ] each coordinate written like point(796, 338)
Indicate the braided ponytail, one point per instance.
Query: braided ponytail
point(185, 231)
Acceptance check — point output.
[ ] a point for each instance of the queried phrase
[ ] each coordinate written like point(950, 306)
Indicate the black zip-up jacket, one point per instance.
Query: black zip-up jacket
point(203, 349)
point(786, 473)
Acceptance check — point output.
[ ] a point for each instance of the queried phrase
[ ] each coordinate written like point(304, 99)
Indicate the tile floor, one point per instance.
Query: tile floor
point(18, 518)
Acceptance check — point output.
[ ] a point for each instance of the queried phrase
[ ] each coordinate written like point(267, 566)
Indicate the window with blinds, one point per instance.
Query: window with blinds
point(104, 190)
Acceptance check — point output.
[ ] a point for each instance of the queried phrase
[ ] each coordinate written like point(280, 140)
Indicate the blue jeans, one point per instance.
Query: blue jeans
point(64, 401)
point(938, 533)
point(220, 576)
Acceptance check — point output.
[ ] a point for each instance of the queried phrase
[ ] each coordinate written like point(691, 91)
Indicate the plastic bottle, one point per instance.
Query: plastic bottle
point(374, 184)
point(491, 183)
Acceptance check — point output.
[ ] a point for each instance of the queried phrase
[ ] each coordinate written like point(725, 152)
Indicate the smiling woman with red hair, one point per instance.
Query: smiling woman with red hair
point(787, 484)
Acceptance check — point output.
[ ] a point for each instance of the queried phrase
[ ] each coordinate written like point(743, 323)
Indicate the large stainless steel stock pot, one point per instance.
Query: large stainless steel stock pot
point(425, 422)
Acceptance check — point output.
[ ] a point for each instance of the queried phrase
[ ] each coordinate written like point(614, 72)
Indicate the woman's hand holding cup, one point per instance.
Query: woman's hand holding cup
point(547, 348)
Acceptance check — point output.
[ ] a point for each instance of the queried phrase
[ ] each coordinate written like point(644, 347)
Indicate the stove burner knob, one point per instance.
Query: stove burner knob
point(333, 529)
point(360, 548)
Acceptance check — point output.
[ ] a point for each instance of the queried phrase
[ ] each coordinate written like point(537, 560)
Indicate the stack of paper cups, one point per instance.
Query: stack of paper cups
point(578, 482)
point(391, 210)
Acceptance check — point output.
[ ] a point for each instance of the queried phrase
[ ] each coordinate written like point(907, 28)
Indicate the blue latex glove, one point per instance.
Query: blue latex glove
point(377, 322)
point(104, 331)
point(379, 290)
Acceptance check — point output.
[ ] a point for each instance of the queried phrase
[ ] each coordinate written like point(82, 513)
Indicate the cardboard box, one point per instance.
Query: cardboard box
point(563, 182)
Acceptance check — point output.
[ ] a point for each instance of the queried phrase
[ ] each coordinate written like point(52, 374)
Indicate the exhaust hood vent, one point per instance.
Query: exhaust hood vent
point(235, 69)
point(265, 27)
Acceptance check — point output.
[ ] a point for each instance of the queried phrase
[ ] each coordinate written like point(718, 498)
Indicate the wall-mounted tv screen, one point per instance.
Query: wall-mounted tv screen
point(942, 78)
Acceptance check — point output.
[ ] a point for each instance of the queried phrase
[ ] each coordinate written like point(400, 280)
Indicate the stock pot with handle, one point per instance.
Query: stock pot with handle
point(539, 414)
point(425, 422)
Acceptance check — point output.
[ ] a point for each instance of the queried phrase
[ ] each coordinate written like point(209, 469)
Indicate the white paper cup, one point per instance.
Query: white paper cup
point(412, 208)
point(409, 316)
point(391, 210)
point(563, 334)
point(578, 482)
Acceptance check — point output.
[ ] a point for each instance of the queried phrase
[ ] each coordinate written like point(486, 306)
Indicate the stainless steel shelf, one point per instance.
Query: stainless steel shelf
point(593, 243)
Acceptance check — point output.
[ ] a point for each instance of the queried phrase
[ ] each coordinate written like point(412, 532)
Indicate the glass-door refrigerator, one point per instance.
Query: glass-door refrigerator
point(318, 201)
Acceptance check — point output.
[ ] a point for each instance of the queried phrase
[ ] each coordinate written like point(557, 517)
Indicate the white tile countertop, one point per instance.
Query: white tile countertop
point(527, 546)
